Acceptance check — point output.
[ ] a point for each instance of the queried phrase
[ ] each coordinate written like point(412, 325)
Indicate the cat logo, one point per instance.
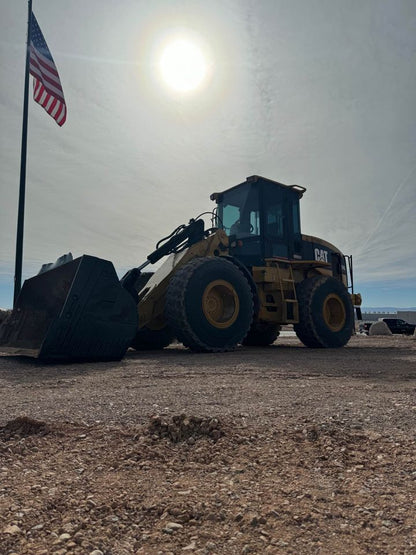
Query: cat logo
point(321, 255)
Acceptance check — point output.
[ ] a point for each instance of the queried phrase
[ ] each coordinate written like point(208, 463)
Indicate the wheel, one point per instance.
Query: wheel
point(262, 334)
point(147, 339)
point(326, 314)
point(209, 305)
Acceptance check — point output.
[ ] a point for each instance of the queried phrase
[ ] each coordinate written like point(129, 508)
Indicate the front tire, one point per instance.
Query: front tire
point(326, 314)
point(209, 305)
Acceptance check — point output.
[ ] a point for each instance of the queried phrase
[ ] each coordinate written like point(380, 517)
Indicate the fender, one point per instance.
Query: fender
point(244, 270)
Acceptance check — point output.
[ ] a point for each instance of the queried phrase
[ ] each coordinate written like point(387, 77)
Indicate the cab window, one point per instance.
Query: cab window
point(239, 212)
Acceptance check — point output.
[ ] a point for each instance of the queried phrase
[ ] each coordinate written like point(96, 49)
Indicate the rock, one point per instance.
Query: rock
point(68, 527)
point(12, 529)
point(189, 547)
point(173, 526)
point(96, 552)
point(379, 328)
point(64, 537)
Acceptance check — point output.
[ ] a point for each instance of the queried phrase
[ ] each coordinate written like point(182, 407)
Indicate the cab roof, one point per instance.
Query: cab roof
point(258, 178)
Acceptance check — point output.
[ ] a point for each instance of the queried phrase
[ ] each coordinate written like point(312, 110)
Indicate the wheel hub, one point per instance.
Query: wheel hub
point(334, 312)
point(220, 304)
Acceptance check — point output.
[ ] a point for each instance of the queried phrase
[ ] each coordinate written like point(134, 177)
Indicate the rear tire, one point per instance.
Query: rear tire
point(147, 339)
point(262, 334)
point(326, 314)
point(209, 305)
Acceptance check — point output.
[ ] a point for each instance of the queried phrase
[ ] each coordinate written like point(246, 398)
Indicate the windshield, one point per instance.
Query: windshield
point(239, 212)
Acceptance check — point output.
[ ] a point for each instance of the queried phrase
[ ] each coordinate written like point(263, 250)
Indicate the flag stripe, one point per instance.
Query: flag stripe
point(47, 88)
point(51, 86)
point(43, 74)
point(45, 63)
point(36, 65)
point(52, 105)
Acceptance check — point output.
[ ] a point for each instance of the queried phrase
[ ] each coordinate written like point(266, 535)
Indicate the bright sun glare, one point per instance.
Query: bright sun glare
point(183, 66)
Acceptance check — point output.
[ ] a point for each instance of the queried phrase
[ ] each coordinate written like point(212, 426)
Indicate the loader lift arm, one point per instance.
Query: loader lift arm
point(182, 237)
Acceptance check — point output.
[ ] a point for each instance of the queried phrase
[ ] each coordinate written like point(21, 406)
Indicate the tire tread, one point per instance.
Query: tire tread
point(306, 329)
point(175, 307)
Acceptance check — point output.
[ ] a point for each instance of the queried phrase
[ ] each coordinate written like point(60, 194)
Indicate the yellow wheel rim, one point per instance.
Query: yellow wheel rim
point(220, 304)
point(334, 312)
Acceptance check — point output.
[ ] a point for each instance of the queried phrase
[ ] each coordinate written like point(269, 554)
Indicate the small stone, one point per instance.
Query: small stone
point(68, 527)
point(11, 529)
point(264, 533)
point(189, 547)
point(173, 526)
point(96, 552)
point(210, 546)
point(64, 537)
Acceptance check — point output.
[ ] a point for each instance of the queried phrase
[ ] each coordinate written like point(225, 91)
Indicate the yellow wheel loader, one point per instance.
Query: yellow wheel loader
point(235, 283)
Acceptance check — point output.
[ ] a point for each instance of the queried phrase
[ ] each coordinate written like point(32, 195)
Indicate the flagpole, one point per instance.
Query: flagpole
point(22, 188)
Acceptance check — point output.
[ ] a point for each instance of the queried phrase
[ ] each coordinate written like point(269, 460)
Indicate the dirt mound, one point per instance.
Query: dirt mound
point(185, 428)
point(23, 426)
point(379, 328)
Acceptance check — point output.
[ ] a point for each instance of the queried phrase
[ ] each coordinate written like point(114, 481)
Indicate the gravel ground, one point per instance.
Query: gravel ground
point(264, 450)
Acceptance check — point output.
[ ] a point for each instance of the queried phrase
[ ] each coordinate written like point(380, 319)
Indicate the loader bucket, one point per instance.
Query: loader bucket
point(77, 311)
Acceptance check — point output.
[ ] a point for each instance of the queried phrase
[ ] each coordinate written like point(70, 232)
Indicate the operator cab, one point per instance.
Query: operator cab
point(262, 219)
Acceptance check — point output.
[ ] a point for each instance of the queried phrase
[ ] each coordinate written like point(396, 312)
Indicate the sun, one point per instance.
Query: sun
point(183, 66)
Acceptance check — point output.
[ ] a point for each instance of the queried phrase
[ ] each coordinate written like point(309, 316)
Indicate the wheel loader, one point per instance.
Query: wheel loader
point(237, 282)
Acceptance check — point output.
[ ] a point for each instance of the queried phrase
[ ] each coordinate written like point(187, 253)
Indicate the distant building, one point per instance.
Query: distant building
point(406, 315)
point(374, 316)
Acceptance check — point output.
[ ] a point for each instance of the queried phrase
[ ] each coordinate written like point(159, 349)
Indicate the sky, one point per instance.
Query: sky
point(320, 93)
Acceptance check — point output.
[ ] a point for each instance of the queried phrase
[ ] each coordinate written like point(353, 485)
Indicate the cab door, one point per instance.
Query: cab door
point(281, 226)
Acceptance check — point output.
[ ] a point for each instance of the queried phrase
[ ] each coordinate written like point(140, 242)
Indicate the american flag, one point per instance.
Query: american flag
point(47, 89)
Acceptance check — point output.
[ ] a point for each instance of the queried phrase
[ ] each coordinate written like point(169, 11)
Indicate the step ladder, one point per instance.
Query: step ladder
point(288, 292)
